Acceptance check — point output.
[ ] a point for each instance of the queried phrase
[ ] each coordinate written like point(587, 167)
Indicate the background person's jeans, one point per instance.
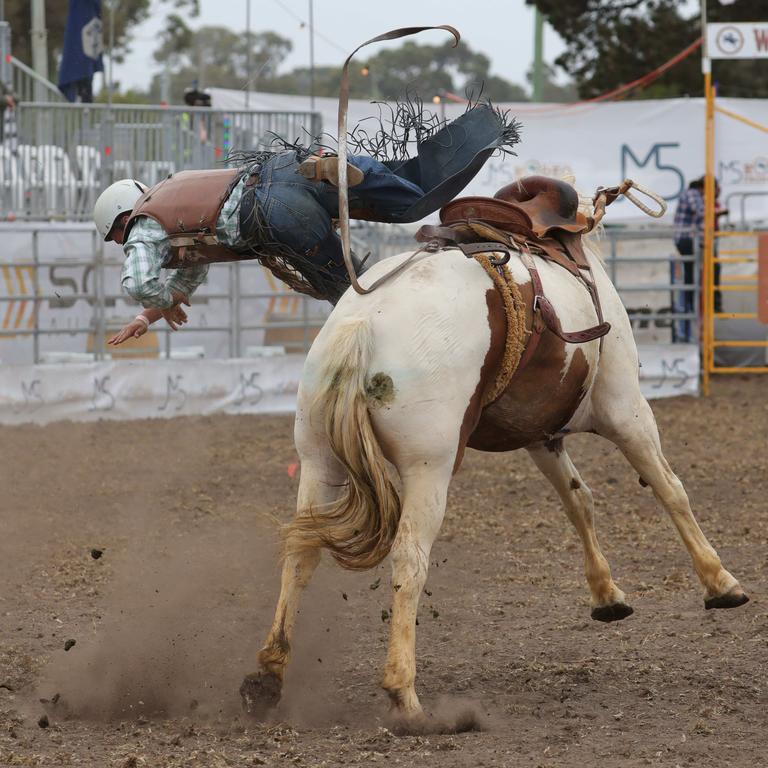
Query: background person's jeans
point(686, 247)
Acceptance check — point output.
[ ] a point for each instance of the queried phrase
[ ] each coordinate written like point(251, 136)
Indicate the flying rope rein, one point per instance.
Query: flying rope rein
point(603, 197)
point(343, 183)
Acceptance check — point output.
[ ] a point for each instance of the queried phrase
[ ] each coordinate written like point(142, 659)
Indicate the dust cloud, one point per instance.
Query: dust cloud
point(180, 626)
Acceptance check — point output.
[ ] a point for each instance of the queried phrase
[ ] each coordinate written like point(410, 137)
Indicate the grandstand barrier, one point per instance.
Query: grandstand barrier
point(185, 386)
point(64, 155)
point(243, 349)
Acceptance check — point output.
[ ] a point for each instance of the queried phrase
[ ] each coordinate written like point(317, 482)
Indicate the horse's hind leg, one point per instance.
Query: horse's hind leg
point(425, 490)
point(320, 484)
point(636, 435)
point(608, 602)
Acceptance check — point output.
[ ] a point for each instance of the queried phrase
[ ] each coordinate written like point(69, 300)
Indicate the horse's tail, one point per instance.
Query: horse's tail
point(359, 527)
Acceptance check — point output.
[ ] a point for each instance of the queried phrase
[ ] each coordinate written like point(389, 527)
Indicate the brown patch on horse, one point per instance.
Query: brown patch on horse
point(575, 484)
point(539, 400)
point(380, 390)
point(497, 321)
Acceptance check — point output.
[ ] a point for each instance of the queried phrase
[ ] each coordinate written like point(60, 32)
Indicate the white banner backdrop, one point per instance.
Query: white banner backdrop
point(162, 389)
point(657, 142)
point(146, 389)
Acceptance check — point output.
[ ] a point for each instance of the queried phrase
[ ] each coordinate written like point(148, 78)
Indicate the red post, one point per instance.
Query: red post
point(762, 278)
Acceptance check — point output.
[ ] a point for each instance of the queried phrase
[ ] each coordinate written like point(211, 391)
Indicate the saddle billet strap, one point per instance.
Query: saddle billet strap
point(572, 337)
point(544, 310)
point(472, 249)
point(435, 237)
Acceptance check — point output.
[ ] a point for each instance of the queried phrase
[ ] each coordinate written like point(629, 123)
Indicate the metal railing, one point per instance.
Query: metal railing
point(660, 292)
point(743, 222)
point(66, 154)
point(67, 306)
point(643, 264)
point(28, 85)
point(53, 303)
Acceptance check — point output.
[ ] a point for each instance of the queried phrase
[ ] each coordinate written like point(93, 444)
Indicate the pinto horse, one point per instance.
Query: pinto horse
point(391, 395)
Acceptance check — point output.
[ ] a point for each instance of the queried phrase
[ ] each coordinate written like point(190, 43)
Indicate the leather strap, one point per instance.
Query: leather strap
point(471, 249)
point(437, 237)
point(428, 233)
point(342, 138)
point(543, 312)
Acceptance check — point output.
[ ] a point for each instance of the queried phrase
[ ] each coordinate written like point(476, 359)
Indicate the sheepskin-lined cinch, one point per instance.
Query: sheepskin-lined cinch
point(514, 309)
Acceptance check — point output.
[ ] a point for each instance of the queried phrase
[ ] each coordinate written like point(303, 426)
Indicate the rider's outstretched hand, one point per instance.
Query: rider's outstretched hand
point(134, 329)
point(137, 327)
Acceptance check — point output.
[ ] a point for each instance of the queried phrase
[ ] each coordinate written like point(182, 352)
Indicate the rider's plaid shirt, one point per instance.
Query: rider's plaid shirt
point(147, 249)
point(689, 216)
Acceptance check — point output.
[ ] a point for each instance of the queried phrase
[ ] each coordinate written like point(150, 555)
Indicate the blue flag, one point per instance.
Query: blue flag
point(82, 50)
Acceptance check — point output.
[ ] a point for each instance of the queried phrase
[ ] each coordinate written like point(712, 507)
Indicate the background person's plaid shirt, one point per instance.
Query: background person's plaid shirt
point(689, 216)
point(148, 248)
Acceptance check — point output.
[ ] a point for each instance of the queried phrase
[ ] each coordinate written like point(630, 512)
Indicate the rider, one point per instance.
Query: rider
point(282, 206)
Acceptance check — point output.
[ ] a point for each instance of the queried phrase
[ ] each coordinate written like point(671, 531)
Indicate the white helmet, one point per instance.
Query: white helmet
point(114, 200)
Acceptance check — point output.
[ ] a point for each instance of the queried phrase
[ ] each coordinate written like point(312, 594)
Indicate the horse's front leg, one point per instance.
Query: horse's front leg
point(608, 601)
point(424, 496)
point(637, 437)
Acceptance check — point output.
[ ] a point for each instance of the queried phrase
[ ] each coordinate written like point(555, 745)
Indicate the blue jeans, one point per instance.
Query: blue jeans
point(298, 211)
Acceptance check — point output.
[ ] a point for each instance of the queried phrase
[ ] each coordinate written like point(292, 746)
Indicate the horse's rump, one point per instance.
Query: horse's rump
point(360, 526)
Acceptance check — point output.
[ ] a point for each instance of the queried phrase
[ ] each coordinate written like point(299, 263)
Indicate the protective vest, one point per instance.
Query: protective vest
point(187, 206)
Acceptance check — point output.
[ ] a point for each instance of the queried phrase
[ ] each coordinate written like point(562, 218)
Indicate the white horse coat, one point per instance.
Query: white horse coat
point(395, 378)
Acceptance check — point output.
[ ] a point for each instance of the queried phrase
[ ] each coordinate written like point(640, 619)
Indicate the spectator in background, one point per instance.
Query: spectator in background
point(689, 241)
point(7, 102)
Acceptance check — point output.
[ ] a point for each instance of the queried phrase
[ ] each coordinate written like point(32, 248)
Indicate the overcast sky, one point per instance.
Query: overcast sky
point(502, 29)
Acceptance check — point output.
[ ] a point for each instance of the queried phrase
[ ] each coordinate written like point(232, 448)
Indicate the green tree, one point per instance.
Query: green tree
point(552, 90)
point(433, 69)
point(216, 57)
point(426, 70)
point(613, 42)
point(128, 14)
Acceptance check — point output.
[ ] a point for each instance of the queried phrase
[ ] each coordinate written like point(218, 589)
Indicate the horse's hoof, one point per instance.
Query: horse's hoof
point(260, 692)
point(613, 612)
point(733, 598)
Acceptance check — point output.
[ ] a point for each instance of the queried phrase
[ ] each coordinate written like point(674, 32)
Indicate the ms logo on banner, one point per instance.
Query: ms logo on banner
point(668, 178)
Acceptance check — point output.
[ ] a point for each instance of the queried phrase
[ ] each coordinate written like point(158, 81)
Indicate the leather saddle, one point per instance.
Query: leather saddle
point(536, 211)
point(551, 204)
point(535, 215)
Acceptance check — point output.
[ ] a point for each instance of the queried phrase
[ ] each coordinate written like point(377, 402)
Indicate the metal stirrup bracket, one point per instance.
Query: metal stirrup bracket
point(343, 183)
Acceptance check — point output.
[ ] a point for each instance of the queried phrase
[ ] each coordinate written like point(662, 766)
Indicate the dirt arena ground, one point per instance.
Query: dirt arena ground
point(168, 619)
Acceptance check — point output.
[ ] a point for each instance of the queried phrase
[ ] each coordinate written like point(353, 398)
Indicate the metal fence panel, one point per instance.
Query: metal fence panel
point(65, 154)
point(61, 299)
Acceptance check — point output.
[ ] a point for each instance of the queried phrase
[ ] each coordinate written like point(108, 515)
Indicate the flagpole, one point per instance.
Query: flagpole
point(108, 133)
point(39, 46)
point(311, 56)
point(248, 54)
point(110, 81)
